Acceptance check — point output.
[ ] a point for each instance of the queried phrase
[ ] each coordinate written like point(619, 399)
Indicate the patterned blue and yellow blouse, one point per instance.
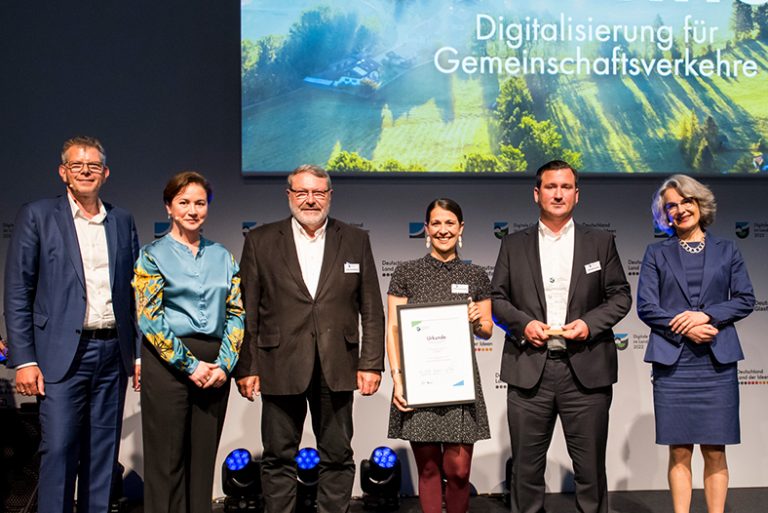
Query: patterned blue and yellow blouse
point(179, 294)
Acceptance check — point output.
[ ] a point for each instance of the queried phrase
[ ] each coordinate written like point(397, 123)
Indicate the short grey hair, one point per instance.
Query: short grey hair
point(311, 169)
point(85, 141)
point(686, 187)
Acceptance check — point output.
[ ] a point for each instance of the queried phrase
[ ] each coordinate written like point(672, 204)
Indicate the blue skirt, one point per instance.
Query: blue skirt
point(696, 400)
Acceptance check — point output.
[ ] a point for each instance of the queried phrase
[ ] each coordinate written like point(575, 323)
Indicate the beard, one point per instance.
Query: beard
point(311, 218)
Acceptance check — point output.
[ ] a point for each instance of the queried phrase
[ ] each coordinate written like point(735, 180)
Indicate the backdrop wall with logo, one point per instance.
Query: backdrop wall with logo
point(160, 86)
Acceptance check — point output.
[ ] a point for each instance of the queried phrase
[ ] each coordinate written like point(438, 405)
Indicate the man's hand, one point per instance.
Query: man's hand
point(684, 321)
point(29, 381)
point(702, 334)
point(249, 387)
point(368, 382)
point(137, 377)
point(534, 333)
point(576, 330)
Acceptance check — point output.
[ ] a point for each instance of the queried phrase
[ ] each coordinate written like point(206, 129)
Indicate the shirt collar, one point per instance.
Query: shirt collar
point(434, 262)
point(319, 233)
point(77, 211)
point(549, 234)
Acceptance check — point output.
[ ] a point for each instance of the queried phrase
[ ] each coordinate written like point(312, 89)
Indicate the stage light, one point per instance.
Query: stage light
point(307, 475)
point(241, 482)
point(380, 478)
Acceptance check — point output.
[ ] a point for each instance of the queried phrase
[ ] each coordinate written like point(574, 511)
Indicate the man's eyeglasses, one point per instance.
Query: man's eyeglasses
point(79, 167)
point(302, 194)
point(674, 208)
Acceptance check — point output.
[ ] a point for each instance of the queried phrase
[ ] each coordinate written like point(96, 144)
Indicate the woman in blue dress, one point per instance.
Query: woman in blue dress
point(693, 287)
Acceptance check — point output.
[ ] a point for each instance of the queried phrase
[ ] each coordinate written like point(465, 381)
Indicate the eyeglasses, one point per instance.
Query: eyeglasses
point(79, 167)
point(674, 208)
point(303, 195)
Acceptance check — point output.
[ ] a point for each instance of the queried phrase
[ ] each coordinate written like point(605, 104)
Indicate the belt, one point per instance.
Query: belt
point(556, 354)
point(100, 334)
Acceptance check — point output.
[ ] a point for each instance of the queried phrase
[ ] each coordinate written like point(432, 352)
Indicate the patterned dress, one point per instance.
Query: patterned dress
point(428, 280)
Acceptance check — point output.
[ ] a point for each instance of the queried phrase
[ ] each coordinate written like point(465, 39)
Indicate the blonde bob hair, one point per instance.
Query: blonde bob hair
point(686, 187)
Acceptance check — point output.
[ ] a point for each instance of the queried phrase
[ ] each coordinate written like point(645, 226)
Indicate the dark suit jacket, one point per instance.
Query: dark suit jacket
point(45, 286)
point(726, 296)
point(284, 324)
point(600, 298)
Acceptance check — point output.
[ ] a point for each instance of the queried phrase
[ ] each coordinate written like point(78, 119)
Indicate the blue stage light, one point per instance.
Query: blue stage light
point(238, 459)
point(307, 459)
point(384, 457)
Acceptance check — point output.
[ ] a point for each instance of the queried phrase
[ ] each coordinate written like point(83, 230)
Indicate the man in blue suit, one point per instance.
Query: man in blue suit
point(71, 327)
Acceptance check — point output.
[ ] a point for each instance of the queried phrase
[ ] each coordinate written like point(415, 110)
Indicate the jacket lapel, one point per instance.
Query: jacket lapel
point(110, 227)
point(330, 253)
point(712, 253)
point(672, 256)
point(67, 228)
point(534, 264)
point(291, 257)
point(578, 260)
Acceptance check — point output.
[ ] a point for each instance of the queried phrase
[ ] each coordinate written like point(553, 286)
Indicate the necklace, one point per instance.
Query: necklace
point(691, 249)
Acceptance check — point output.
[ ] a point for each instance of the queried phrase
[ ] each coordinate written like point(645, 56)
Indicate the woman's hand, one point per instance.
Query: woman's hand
point(203, 373)
point(216, 378)
point(684, 321)
point(397, 396)
point(702, 334)
point(474, 313)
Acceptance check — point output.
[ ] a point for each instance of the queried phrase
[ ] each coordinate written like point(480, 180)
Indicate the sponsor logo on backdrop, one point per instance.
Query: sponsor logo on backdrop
point(659, 233)
point(761, 305)
point(500, 229)
point(161, 228)
point(7, 230)
point(388, 267)
point(633, 267)
point(416, 230)
point(758, 230)
point(742, 229)
point(622, 340)
point(248, 226)
point(358, 224)
point(753, 377)
point(498, 383)
point(483, 346)
point(638, 342)
point(602, 226)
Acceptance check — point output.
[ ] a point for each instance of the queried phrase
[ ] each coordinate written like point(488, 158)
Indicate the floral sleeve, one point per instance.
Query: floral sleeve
point(234, 324)
point(148, 285)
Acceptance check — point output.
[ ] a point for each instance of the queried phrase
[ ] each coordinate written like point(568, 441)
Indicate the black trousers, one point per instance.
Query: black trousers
point(181, 426)
point(282, 422)
point(531, 415)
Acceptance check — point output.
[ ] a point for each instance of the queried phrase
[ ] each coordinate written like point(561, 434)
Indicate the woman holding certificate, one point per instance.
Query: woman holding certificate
point(441, 437)
point(693, 287)
point(191, 313)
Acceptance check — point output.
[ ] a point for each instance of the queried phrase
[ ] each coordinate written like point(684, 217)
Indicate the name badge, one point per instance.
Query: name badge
point(594, 266)
point(349, 267)
point(459, 288)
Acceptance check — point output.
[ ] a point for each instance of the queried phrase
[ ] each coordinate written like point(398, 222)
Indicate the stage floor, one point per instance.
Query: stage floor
point(740, 500)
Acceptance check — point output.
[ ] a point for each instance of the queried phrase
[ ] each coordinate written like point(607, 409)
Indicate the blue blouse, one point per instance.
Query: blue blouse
point(179, 294)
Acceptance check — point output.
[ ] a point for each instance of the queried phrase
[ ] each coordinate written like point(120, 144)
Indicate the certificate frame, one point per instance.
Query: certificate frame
point(436, 354)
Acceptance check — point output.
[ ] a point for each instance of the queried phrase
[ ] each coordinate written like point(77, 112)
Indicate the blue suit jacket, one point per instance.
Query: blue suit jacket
point(726, 296)
point(45, 297)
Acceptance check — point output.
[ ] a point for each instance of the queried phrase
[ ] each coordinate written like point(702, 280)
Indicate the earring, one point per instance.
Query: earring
point(461, 243)
point(428, 242)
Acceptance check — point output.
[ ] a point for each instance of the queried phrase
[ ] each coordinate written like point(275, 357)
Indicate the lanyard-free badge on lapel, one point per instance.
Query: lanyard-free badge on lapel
point(350, 267)
point(594, 266)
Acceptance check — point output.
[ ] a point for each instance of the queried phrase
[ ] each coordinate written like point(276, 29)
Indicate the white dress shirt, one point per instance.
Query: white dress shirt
point(92, 239)
point(556, 259)
point(310, 251)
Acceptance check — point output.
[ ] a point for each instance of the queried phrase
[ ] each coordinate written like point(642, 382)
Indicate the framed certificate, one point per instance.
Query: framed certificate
point(436, 345)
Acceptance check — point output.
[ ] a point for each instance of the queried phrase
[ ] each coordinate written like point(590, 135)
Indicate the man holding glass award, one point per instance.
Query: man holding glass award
point(558, 289)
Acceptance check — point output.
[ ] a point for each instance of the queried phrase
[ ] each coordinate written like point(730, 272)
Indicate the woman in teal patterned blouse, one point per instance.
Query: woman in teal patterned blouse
point(191, 314)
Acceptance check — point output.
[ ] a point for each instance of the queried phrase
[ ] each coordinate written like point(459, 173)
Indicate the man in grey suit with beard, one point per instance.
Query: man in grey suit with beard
point(558, 289)
point(308, 282)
